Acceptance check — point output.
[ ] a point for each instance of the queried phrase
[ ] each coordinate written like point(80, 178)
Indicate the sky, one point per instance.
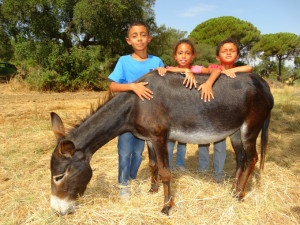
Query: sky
point(268, 16)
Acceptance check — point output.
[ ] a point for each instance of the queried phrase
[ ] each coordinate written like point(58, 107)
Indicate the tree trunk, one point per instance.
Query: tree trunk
point(279, 57)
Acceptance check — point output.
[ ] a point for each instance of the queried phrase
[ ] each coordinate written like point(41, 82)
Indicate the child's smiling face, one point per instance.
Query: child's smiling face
point(184, 55)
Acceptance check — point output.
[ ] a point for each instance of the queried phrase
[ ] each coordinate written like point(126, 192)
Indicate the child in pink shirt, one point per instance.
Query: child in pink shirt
point(184, 53)
point(227, 53)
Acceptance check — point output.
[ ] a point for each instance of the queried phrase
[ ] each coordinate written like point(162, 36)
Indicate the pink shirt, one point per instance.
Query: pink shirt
point(214, 66)
point(194, 69)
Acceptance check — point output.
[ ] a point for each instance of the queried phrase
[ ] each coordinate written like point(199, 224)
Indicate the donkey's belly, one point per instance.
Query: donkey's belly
point(199, 137)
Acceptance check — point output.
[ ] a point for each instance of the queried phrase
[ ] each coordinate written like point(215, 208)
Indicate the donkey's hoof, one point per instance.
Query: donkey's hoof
point(153, 189)
point(238, 194)
point(233, 192)
point(167, 207)
point(165, 210)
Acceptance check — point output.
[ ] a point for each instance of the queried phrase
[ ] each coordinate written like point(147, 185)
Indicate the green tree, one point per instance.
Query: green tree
point(59, 36)
point(297, 62)
point(163, 42)
point(73, 22)
point(296, 72)
point(214, 30)
point(205, 55)
point(266, 68)
point(282, 46)
point(6, 48)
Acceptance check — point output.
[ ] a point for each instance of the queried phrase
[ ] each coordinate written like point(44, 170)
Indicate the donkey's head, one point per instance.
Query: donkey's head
point(70, 170)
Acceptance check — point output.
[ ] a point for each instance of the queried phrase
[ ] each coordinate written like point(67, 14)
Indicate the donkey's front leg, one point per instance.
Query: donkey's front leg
point(168, 201)
point(161, 149)
point(153, 168)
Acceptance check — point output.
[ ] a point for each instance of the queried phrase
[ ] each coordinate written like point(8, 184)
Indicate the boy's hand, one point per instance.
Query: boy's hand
point(190, 80)
point(161, 71)
point(229, 73)
point(206, 91)
point(140, 90)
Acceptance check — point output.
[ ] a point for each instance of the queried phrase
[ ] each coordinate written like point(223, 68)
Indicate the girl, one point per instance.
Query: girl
point(184, 53)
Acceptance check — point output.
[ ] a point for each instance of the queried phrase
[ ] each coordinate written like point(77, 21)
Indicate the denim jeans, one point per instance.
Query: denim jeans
point(130, 151)
point(181, 150)
point(218, 159)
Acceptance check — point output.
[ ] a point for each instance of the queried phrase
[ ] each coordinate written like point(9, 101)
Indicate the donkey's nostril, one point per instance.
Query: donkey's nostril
point(57, 178)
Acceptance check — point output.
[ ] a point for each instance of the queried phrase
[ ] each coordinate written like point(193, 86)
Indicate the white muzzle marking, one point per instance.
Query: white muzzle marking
point(62, 206)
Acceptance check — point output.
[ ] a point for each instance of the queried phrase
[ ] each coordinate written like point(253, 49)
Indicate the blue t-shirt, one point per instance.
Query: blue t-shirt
point(129, 69)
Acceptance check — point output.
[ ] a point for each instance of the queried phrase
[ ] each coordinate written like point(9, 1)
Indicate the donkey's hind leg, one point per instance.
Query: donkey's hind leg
point(153, 168)
point(240, 159)
point(244, 145)
point(249, 165)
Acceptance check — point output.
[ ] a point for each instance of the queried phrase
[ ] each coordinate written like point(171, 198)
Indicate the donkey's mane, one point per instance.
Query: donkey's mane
point(101, 101)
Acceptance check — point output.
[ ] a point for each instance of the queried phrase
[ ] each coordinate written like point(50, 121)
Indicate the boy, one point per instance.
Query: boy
point(128, 69)
point(227, 53)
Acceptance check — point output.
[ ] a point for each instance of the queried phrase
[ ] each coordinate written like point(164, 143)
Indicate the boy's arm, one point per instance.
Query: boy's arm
point(207, 86)
point(138, 88)
point(231, 72)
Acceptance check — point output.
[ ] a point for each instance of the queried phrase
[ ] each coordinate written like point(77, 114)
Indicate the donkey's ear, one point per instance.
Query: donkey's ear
point(66, 148)
point(57, 126)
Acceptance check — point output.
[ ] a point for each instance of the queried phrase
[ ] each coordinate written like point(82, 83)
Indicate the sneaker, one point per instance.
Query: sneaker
point(219, 179)
point(202, 171)
point(180, 168)
point(125, 193)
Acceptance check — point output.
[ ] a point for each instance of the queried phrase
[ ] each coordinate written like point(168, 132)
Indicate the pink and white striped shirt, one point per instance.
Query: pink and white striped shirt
point(194, 69)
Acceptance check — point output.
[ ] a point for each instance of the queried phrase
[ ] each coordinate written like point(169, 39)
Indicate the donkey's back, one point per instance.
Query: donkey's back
point(188, 119)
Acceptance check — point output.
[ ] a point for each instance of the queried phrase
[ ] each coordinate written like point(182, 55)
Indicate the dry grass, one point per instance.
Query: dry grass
point(26, 144)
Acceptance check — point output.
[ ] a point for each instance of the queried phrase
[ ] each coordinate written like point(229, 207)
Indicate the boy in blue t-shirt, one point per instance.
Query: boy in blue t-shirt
point(128, 69)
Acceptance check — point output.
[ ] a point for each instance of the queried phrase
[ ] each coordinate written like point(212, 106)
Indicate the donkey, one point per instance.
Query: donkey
point(241, 109)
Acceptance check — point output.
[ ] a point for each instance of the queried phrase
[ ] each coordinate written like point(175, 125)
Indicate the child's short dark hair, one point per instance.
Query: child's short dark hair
point(228, 40)
point(137, 23)
point(184, 41)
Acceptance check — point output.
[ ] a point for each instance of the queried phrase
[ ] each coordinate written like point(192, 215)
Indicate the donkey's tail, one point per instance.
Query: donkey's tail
point(264, 141)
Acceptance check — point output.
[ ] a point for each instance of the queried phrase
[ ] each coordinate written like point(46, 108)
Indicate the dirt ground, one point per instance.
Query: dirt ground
point(27, 141)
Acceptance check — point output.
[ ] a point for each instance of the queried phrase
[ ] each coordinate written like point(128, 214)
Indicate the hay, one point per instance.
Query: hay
point(26, 144)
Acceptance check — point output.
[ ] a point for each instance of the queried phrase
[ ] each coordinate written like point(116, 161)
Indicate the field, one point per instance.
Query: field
point(27, 141)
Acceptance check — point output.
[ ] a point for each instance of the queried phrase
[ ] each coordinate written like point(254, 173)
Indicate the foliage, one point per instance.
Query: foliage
point(280, 45)
point(206, 55)
point(266, 68)
point(62, 38)
point(297, 62)
point(6, 48)
point(7, 70)
point(68, 22)
point(295, 73)
point(215, 30)
point(80, 68)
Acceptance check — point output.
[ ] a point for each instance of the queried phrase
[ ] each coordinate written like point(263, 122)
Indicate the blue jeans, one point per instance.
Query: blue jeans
point(218, 159)
point(181, 150)
point(130, 151)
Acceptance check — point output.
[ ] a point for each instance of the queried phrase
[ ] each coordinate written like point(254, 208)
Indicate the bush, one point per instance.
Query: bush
point(72, 70)
point(7, 70)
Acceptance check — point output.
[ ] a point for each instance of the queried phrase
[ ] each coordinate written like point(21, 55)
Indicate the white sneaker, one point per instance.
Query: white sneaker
point(125, 193)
